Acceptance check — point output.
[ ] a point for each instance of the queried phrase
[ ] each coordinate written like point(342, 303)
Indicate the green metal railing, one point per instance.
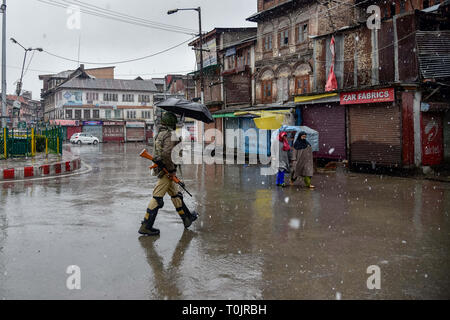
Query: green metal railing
point(3, 145)
point(19, 142)
point(53, 138)
point(28, 141)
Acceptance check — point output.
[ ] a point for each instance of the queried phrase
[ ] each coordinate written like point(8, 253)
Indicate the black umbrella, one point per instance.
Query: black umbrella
point(187, 108)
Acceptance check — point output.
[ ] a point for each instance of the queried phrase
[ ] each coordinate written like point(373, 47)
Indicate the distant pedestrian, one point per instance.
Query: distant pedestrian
point(283, 157)
point(303, 164)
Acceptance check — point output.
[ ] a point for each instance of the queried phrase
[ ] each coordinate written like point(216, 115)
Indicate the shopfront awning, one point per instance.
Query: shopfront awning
point(318, 98)
point(224, 115)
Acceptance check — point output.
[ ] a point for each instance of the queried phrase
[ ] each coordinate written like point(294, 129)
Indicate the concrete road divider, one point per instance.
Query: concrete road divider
point(43, 170)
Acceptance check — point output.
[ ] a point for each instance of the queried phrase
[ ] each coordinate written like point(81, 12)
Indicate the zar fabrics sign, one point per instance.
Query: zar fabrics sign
point(367, 96)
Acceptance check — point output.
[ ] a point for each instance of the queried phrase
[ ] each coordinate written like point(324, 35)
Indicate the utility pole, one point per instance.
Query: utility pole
point(3, 9)
point(202, 94)
point(202, 87)
point(20, 83)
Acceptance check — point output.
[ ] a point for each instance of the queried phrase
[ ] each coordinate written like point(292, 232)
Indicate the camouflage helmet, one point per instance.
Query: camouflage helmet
point(169, 119)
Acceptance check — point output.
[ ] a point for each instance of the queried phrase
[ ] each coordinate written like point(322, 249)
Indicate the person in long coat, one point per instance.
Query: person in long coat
point(303, 165)
point(281, 156)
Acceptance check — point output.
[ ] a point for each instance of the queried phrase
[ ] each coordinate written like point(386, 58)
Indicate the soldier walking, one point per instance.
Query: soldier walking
point(165, 141)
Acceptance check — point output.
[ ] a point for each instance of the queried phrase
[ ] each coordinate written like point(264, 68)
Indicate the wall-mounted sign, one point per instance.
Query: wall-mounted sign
point(92, 123)
point(368, 96)
point(113, 123)
point(17, 104)
point(73, 123)
point(73, 98)
point(135, 124)
point(209, 57)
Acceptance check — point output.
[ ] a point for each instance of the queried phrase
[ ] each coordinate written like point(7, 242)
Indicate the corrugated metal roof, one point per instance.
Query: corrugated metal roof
point(434, 53)
point(110, 84)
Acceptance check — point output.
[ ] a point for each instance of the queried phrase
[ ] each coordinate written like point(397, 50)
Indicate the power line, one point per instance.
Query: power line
point(29, 62)
point(116, 13)
point(120, 62)
point(116, 18)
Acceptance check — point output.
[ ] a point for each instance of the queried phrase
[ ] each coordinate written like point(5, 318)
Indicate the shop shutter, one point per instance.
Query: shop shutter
point(96, 131)
point(329, 121)
point(135, 134)
point(375, 134)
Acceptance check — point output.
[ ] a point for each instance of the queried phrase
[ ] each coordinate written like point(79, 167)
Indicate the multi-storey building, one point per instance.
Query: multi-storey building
point(391, 92)
point(111, 109)
point(220, 88)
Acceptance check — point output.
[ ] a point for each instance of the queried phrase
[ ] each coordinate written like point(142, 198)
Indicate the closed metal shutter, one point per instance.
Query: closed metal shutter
point(329, 121)
point(72, 130)
point(135, 134)
point(113, 133)
point(375, 134)
point(96, 131)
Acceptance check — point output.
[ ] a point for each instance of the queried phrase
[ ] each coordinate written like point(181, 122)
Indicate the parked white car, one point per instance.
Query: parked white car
point(84, 138)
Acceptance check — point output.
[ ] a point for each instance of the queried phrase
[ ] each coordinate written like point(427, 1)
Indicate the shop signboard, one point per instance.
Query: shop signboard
point(367, 96)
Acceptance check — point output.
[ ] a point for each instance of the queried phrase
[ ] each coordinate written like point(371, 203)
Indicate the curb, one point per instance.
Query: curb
point(44, 170)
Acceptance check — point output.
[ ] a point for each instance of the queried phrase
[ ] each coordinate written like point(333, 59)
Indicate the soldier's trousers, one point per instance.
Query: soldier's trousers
point(163, 186)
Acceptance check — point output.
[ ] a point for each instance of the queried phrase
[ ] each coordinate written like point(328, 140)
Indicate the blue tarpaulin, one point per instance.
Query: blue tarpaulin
point(312, 135)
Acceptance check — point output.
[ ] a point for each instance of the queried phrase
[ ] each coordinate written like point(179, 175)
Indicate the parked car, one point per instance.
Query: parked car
point(82, 137)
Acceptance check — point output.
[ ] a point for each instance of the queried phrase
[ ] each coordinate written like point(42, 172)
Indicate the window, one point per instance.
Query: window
point(108, 114)
point(392, 9)
point(302, 32)
point(131, 114)
point(91, 96)
point(231, 62)
point(243, 58)
point(117, 114)
point(268, 42)
point(128, 97)
point(78, 114)
point(143, 98)
point(87, 114)
point(68, 114)
point(402, 6)
point(302, 84)
point(110, 97)
point(146, 114)
point(284, 38)
point(96, 114)
point(267, 91)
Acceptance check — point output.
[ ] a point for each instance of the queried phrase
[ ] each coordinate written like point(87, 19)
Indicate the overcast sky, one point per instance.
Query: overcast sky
point(36, 24)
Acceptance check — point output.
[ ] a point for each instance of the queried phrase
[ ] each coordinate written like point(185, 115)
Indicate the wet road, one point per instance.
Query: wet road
point(252, 240)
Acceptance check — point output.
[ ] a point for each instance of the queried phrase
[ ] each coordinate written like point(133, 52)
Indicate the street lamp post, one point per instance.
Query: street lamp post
point(199, 10)
point(19, 84)
point(3, 10)
point(202, 94)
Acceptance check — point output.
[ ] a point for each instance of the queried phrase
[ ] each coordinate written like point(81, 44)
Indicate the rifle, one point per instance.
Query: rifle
point(144, 154)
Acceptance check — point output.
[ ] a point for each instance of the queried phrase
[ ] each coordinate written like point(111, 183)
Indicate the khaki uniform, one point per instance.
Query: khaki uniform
point(164, 143)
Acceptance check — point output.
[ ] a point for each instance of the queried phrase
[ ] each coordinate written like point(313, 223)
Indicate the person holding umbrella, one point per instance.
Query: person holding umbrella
point(303, 166)
point(280, 153)
point(165, 141)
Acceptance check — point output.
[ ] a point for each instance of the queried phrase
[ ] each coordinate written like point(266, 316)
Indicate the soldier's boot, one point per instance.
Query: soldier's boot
point(147, 225)
point(185, 214)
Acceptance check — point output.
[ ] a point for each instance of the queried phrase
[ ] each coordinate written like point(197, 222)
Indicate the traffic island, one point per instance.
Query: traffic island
point(44, 166)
